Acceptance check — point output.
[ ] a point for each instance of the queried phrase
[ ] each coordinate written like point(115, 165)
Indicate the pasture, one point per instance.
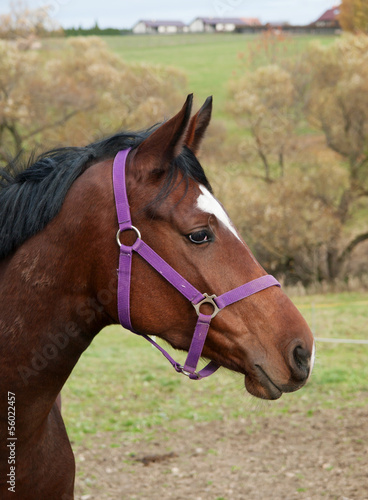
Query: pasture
point(141, 431)
point(121, 384)
point(208, 60)
point(134, 421)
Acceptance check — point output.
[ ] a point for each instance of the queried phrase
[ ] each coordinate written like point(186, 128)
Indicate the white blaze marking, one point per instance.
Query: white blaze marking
point(208, 203)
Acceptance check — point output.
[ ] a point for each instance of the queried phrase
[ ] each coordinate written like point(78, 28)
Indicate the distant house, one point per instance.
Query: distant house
point(278, 24)
point(329, 19)
point(151, 27)
point(218, 24)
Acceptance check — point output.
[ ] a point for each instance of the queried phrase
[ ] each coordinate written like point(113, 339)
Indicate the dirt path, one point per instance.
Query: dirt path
point(324, 456)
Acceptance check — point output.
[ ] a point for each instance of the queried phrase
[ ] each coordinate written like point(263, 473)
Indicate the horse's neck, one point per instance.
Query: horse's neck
point(43, 330)
point(49, 308)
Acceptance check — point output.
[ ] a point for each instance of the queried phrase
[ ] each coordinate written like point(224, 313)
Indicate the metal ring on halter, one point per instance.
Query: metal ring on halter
point(208, 299)
point(188, 374)
point(133, 228)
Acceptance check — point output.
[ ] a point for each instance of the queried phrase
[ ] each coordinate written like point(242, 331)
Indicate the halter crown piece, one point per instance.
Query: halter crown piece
point(181, 284)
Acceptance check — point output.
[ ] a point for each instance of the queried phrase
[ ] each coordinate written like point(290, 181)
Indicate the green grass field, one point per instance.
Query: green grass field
point(122, 384)
point(208, 60)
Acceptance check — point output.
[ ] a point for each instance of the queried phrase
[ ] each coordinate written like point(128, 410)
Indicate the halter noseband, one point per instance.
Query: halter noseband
point(181, 284)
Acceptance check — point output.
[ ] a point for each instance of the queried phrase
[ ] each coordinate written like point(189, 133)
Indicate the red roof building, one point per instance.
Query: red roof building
point(329, 19)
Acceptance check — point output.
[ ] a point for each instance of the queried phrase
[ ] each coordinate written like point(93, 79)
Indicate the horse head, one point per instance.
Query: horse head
point(262, 336)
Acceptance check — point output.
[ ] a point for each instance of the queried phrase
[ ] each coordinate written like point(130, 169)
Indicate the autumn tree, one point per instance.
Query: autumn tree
point(337, 104)
point(353, 15)
point(264, 102)
point(312, 218)
point(75, 94)
point(24, 23)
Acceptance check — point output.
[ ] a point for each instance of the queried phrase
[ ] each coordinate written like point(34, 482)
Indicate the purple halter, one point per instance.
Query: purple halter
point(181, 284)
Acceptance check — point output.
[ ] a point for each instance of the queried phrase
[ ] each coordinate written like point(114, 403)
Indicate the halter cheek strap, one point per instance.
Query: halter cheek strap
point(181, 284)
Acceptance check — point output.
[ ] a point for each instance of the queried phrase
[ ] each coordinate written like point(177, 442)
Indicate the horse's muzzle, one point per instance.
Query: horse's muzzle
point(266, 383)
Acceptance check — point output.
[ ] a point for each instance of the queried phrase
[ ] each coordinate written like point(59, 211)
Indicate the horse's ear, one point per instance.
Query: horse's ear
point(198, 125)
point(165, 143)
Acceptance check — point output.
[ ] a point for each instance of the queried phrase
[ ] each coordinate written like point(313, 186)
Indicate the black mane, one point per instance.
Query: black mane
point(31, 196)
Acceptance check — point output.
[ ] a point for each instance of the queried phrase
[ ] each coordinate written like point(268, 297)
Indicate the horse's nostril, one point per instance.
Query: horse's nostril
point(301, 363)
point(302, 357)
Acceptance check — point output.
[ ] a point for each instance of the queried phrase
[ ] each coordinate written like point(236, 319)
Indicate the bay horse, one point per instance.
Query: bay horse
point(140, 203)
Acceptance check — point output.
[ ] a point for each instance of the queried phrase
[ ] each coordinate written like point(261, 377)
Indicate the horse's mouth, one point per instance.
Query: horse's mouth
point(262, 386)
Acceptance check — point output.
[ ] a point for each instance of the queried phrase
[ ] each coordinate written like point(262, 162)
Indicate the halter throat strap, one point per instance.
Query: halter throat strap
point(173, 277)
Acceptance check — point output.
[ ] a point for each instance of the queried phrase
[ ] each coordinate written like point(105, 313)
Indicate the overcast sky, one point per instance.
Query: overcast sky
point(125, 13)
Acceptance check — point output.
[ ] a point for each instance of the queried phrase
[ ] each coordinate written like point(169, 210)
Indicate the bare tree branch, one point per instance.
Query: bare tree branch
point(353, 244)
point(58, 123)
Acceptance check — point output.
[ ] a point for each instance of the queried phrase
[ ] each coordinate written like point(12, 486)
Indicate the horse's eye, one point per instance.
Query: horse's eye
point(199, 237)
